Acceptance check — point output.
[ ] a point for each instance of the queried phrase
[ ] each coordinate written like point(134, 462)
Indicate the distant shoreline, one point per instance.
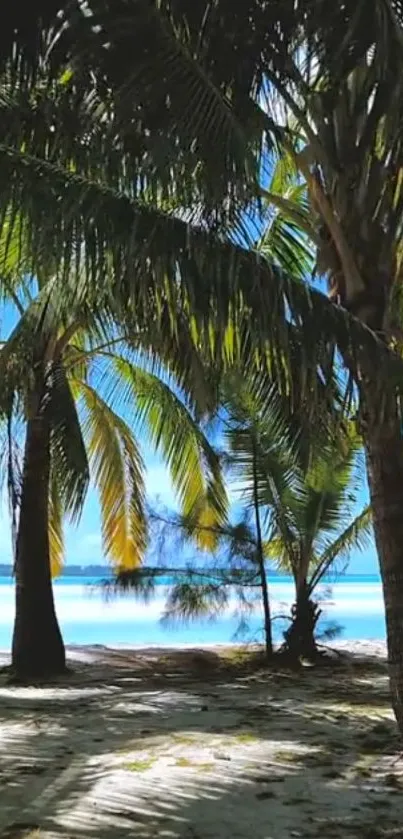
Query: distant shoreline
point(69, 571)
point(105, 572)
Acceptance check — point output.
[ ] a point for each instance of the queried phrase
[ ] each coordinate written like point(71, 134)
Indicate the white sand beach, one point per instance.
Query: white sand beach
point(201, 744)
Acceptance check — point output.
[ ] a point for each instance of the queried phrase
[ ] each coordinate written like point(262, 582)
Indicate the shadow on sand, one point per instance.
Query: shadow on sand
point(198, 746)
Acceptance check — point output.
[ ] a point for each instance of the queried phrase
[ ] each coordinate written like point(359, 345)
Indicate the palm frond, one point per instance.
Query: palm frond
point(259, 443)
point(289, 235)
point(56, 540)
point(356, 536)
point(283, 551)
point(117, 469)
point(328, 491)
point(68, 451)
point(180, 266)
point(161, 415)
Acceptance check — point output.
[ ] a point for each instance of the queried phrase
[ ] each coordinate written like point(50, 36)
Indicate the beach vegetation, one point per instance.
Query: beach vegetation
point(136, 150)
point(246, 737)
point(317, 524)
point(295, 516)
point(140, 765)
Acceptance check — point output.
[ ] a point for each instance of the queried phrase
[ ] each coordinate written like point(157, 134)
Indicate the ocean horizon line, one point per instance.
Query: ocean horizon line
point(162, 575)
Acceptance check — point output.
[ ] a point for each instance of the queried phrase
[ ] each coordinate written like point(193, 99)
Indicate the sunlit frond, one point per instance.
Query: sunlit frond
point(356, 537)
point(177, 265)
point(288, 237)
point(259, 445)
point(56, 540)
point(68, 451)
point(161, 415)
point(118, 474)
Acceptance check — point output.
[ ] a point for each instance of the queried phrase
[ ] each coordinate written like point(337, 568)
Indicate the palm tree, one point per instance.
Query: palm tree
point(79, 390)
point(315, 527)
point(302, 489)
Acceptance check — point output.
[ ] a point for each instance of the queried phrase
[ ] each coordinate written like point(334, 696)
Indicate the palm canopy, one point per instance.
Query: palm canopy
point(305, 485)
point(98, 393)
point(315, 523)
point(101, 178)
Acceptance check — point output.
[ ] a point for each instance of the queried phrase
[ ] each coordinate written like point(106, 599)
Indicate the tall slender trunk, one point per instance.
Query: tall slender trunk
point(383, 439)
point(262, 568)
point(37, 647)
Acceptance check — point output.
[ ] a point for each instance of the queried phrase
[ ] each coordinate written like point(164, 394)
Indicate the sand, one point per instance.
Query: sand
point(201, 745)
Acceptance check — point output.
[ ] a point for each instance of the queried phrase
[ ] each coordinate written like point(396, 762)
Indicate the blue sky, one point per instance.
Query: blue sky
point(83, 542)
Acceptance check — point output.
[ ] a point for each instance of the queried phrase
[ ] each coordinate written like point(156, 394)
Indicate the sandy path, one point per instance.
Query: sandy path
point(135, 745)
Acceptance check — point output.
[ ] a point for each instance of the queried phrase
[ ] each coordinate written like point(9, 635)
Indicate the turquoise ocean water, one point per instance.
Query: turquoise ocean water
point(355, 604)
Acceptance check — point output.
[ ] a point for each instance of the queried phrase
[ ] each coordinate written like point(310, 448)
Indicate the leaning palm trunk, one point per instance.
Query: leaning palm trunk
point(37, 647)
point(352, 164)
point(381, 428)
point(383, 439)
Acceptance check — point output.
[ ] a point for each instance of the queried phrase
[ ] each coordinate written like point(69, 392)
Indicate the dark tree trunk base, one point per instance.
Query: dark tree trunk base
point(299, 639)
point(37, 649)
point(38, 668)
point(15, 678)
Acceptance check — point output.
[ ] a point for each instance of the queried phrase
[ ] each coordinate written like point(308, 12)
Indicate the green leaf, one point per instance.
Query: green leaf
point(357, 536)
point(117, 469)
point(56, 540)
point(68, 451)
point(160, 414)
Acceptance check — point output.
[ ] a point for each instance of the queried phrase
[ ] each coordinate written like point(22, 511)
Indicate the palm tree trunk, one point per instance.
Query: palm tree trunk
point(262, 568)
point(302, 642)
point(266, 610)
point(37, 647)
point(300, 637)
point(383, 438)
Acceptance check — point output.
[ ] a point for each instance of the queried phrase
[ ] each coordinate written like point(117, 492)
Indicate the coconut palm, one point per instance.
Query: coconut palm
point(315, 527)
point(303, 494)
point(348, 149)
point(237, 551)
point(78, 393)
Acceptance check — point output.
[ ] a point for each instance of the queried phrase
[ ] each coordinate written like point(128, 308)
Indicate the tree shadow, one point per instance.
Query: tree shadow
point(153, 747)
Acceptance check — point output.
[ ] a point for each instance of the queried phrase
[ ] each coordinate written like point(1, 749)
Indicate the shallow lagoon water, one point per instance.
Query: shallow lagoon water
point(355, 604)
